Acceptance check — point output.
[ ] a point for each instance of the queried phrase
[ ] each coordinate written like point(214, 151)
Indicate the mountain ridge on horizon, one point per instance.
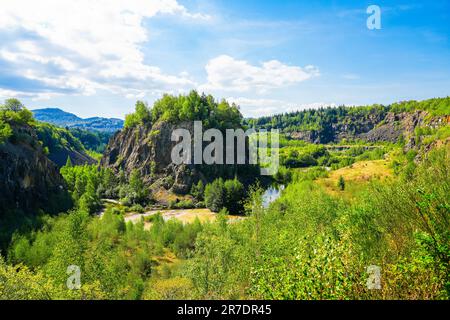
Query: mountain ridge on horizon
point(59, 117)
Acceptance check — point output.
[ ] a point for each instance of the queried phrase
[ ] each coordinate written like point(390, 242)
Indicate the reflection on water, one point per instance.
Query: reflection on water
point(272, 194)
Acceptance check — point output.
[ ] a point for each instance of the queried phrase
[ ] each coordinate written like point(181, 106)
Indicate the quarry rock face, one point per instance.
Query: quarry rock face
point(376, 128)
point(350, 128)
point(403, 126)
point(28, 179)
point(148, 149)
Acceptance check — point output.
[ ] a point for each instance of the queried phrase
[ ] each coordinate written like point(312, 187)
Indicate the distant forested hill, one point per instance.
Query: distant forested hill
point(374, 123)
point(65, 119)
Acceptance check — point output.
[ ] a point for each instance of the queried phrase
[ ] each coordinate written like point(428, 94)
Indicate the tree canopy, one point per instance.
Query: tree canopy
point(190, 107)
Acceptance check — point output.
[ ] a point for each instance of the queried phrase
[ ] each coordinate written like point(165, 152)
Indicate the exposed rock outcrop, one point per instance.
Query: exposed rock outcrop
point(28, 179)
point(311, 136)
point(349, 128)
point(402, 126)
point(375, 128)
point(148, 149)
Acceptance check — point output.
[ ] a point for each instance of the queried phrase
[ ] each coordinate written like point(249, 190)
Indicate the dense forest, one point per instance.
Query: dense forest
point(344, 207)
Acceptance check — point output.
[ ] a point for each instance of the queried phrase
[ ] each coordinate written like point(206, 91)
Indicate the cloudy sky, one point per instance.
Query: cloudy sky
point(97, 57)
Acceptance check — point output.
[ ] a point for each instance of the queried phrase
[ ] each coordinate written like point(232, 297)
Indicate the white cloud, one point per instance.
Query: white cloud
point(93, 44)
point(61, 62)
point(6, 94)
point(266, 107)
point(228, 74)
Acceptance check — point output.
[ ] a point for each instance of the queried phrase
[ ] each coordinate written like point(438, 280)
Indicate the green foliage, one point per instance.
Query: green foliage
point(215, 195)
point(225, 194)
point(174, 235)
point(141, 116)
point(191, 107)
point(301, 157)
point(306, 245)
point(5, 131)
point(13, 105)
point(19, 283)
point(437, 106)
point(53, 140)
point(88, 184)
point(309, 174)
point(311, 155)
point(320, 122)
point(135, 192)
point(320, 246)
point(115, 258)
point(198, 190)
point(341, 183)
point(14, 112)
point(234, 193)
point(95, 141)
point(183, 204)
point(283, 175)
point(426, 135)
point(57, 139)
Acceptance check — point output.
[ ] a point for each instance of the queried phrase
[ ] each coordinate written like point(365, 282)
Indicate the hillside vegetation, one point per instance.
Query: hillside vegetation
point(331, 124)
point(191, 107)
point(346, 207)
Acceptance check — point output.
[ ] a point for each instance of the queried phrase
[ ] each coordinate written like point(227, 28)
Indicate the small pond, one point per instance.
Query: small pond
point(272, 194)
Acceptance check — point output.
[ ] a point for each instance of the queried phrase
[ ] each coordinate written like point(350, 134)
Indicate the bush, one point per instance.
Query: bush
point(141, 116)
point(215, 195)
point(5, 131)
point(137, 208)
point(183, 204)
point(341, 183)
point(228, 195)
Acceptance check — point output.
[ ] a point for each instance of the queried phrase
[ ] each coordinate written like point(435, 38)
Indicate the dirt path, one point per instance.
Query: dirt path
point(184, 215)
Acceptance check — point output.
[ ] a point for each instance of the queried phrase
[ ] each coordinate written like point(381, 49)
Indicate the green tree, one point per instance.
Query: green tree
point(69, 162)
point(5, 131)
point(234, 193)
point(89, 201)
point(80, 187)
point(70, 247)
point(13, 105)
point(341, 183)
point(141, 116)
point(135, 192)
point(13, 111)
point(215, 195)
point(198, 191)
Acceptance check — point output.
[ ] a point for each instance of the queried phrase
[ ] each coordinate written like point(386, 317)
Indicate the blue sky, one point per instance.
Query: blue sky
point(98, 58)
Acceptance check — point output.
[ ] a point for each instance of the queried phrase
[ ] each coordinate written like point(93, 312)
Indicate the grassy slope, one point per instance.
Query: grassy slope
point(356, 176)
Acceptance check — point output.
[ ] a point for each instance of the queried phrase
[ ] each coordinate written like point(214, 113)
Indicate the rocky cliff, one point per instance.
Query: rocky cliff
point(397, 126)
point(388, 128)
point(28, 179)
point(148, 149)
